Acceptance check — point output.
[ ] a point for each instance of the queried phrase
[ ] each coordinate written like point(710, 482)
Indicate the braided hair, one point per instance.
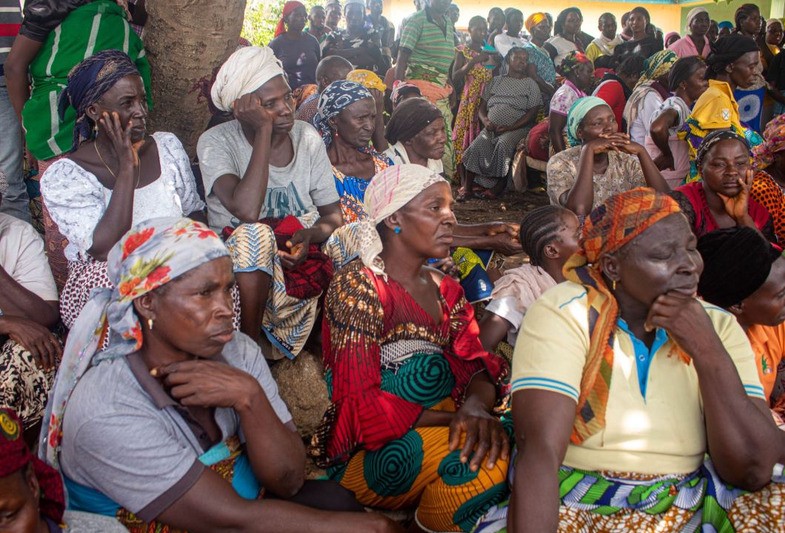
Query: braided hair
point(682, 70)
point(539, 228)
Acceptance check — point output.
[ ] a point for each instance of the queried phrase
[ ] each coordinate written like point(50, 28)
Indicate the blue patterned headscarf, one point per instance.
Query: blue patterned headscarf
point(335, 98)
point(577, 113)
point(150, 255)
point(90, 80)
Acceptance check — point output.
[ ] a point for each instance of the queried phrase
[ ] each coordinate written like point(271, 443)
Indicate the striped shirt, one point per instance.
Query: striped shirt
point(96, 26)
point(433, 49)
point(10, 22)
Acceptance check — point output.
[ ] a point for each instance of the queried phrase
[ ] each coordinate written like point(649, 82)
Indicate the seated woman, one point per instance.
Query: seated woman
point(616, 87)
point(378, 90)
point(768, 187)
point(722, 198)
point(549, 236)
point(192, 429)
point(602, 162)
point(32, 498)
point(298, 50)
point(648, 380)
point(412, 388)
point(648, 94)
point(414, 135)
point(267, 166)
point(731, 65)
point(644, 41)
point(566, 32)
point(508, 110)
point(115, 176)
point(347, 119)
point(578, 75)
point(754, 291)
point(29, 351)
point(686, 81)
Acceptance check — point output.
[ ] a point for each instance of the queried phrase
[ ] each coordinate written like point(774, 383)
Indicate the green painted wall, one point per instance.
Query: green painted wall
point(722, 10)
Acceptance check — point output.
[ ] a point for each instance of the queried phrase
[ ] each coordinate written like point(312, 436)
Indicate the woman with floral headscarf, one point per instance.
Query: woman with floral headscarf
point(601, 161)
point(411, 387)
point(116, 174)
point(578, 73)
point(348, 118)
point(652, 417)
point(648, 95)
point(192, 429)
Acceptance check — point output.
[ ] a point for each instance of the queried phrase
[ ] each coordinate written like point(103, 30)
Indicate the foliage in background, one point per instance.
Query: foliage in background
point(261, 17)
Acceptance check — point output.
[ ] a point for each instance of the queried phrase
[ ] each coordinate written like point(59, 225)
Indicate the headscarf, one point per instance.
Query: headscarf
point(736, 262)
point(728, 49)
point(571, 62)
point(335, 98)
point(148, 256)
point(399, 87)
point(658, 65)
point(367, 79)
point(608, 228)
point(389, 190)
point(533, 20)
point(288, 9)
point(246, 70)
point(410, 118)
point(725, 24)
point(713, 138)
point(577, 113)
point(88, 82)
point(671, 34)
point(694, 12)
point(773, 143)
point(15, 455)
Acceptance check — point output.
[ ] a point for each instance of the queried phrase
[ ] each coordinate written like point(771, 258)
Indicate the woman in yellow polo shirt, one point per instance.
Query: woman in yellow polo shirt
point(622, 381)
point(754, 291)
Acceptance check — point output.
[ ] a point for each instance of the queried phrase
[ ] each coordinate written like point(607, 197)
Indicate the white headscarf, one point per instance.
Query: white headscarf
point(694, 13)
point(245, 71)
point(389, 190)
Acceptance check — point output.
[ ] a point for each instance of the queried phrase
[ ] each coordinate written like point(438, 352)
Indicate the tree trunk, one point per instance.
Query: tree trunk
point(185, 40)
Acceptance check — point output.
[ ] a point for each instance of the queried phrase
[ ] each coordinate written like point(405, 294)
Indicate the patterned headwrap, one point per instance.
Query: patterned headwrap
point(15, 455)
point(577, 113)
point(88, 82)
point(534, 19)
point(335, 98)
point(401, 87)
point(773, 143)
point(657, 66)
point(713, 138)
point(608, 228)
point(367, 79)
point(288, 9)
point(389, 190)
point(246, 70)
point(571, 62)
point(150, 255)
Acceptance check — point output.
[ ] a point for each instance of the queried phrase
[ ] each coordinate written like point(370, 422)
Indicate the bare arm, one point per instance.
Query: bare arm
point(546, 419)
point(545, 87)
point(17, 301)
point(660, 132)
point(329, 220)
point(16, 65)
point(244, 197)
point(556, 125)
point(650, 171)
point(212, 506)
point(402, 64)
point(378, 139)
point(493, 330)
point(580, 198)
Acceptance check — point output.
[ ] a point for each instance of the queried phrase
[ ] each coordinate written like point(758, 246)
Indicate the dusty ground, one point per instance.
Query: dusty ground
point(510, 208)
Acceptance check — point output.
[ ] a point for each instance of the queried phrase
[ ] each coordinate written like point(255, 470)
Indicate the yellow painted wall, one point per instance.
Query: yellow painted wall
point(723, 11)
point(665, 16)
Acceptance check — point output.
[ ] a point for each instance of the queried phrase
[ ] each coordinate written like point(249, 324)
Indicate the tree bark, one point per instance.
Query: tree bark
point(185, 40)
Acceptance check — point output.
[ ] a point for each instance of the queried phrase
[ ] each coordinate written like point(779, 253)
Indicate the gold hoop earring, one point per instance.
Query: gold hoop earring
point(150, 324)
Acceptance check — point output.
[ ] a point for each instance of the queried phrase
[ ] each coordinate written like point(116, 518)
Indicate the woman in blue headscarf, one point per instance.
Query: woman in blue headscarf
point(192, 426)
point(601, 162)
point(115, 176)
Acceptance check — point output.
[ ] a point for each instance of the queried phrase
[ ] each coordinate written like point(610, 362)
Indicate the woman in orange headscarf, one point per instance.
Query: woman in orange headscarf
point(298, 50)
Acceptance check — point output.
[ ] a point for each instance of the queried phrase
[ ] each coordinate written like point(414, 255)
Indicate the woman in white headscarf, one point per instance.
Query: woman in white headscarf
point(411, 386)
point(269, 185)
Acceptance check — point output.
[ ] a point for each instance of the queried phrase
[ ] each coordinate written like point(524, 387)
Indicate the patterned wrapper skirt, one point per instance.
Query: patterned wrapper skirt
point(24, 387)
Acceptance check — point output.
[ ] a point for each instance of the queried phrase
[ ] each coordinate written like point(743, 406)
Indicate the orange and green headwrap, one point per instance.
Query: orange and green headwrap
point(607, 229)
point(534, 19)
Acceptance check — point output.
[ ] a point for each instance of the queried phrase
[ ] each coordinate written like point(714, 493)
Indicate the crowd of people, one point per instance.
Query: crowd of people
point(630, 375)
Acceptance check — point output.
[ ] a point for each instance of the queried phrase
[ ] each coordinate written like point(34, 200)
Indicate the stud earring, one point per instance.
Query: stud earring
point(150, 324)
point(613, 285)
point(397, 230)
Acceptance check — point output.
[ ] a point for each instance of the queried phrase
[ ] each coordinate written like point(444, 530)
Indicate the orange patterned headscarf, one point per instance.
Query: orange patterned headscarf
point(534, 19)
point(607, 229)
